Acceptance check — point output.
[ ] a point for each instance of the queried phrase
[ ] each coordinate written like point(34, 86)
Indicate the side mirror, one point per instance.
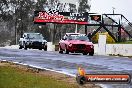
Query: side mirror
point(43, 38)
point(21, 39)
point(63, 38)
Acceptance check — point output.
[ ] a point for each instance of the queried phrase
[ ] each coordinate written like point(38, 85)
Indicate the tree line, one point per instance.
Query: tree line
point(16, 17)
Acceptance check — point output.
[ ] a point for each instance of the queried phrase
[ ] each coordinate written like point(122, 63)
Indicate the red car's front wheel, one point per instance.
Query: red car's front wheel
point(91, 53)
point(66, 50)
point(85, 53)
point(60, 50)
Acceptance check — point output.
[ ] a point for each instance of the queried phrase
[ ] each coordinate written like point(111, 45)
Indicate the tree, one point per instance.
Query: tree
point(84, 6)
point(129, 29)
point(13, 10)
point(18, 14)
point(39, 5)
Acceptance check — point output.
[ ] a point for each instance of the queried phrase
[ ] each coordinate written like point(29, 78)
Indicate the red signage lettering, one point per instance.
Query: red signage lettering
point(54, 16)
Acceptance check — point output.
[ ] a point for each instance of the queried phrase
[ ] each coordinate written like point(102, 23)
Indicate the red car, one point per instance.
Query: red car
point(76, 43)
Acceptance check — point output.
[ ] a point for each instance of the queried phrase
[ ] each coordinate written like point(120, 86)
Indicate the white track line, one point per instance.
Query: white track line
point(66, 73)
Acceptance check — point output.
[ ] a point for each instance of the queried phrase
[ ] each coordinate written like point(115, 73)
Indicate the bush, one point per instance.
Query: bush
point(109, 39)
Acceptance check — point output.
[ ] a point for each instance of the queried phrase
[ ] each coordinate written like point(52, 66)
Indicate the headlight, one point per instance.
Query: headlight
point(92, 46)
point(27, 42)
point(70, 45)
point(45, 43)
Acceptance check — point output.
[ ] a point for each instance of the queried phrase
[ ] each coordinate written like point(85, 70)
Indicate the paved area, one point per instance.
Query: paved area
point(70, 63)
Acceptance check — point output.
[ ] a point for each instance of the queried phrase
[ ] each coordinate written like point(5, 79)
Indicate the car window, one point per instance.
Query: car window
point(72, 37)
point(78, 37)
point(85, 38)
point(35, 36)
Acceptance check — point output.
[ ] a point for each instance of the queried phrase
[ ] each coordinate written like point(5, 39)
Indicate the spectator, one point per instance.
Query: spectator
point(89, 36)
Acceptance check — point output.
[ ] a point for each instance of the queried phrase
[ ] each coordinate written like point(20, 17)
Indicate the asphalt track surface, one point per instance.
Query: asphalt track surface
point(70, 62)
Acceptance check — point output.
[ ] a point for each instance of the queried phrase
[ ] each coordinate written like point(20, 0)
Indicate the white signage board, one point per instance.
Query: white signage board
point(102, 45)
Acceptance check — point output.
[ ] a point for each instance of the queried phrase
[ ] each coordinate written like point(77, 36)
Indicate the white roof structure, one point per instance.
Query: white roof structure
point(72, 33)
point(69, 1)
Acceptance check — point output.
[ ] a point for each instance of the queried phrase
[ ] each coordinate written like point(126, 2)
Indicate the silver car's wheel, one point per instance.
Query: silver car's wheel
point(25, 47)
point(45, 48)
point(20, 47)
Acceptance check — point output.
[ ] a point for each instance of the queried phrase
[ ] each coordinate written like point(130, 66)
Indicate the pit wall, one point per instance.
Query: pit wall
point(115, 49)
point(110, 49)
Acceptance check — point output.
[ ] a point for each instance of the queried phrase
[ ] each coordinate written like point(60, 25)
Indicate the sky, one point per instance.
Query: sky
point(105, 6)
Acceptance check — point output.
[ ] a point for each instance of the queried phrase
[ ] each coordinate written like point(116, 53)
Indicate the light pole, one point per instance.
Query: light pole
point(16, 22)
point(21, 15)
point(16, 31)
point(77, 5)
point(113, 10)
point(113, 15)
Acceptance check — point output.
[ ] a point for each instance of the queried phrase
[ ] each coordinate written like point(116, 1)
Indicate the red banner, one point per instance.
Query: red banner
point(44, 17)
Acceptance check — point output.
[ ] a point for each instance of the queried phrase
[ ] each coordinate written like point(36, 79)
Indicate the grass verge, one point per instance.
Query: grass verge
point(12, 77)
point(20, 76)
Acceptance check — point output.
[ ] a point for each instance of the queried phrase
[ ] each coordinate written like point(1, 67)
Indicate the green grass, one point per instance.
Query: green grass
point(127, 42)
point(15, 78)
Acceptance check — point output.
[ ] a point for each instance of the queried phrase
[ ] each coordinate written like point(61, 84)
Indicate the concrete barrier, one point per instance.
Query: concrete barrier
point(102, 45)
point(111, 49)
point(116, 49)
point(50, 46)
point(12, 47)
